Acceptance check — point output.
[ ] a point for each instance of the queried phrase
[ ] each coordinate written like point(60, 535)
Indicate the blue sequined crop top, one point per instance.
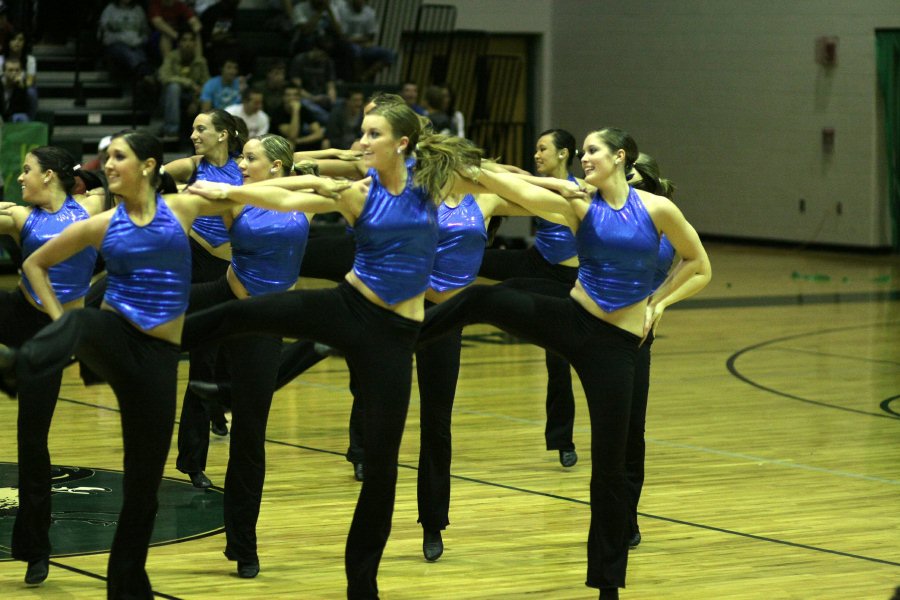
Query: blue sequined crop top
point(212, 229)
point(71, 278)
point(461, 240)
point(396, 238)
point(555, 242)
point(148, 267)
point(267, 248)
point(618, 251)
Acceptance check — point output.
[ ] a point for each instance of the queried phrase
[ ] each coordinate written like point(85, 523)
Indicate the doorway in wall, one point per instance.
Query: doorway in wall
point(887, 51)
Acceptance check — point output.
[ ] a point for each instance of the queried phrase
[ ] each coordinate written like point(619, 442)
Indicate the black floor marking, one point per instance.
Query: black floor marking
point(96, 576)
point(787, 300)
point(730, 363)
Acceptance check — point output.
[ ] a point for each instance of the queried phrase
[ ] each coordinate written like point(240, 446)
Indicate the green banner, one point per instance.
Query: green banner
point(17, 140)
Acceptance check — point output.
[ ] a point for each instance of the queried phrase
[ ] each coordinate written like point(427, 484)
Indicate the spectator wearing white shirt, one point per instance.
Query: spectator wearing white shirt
point(250, 110)
point(360, 25)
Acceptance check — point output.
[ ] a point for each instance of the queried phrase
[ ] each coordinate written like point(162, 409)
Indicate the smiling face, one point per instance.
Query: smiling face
point(599, 161)
point(379, 146)
point(546, 155)
point(123, 169)
point(255, 165)
point(204, 135)
point(32, 180)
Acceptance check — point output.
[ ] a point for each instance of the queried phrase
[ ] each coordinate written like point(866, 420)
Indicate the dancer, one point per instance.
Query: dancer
point(133, 340)
point(461, 247)
point(48, 178)
point(553, 256)
point(267, 249)
point(218, 138)
point(373, 317)
point(599, 328)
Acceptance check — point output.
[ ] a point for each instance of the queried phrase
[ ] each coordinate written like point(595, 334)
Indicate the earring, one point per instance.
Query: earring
point(399, 150)
point(273, 170)
point(46, 180)
point(144, 172)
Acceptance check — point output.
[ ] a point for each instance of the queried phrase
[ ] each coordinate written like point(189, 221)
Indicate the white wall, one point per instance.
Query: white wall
point(727, 95)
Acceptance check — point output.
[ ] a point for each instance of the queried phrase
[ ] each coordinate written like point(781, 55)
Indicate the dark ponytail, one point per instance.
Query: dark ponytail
point(648, 169)
point(563, 140)
point(234, 127)
point(58, 160)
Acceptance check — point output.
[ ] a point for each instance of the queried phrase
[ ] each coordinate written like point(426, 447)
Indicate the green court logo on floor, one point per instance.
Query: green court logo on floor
point(85, 510)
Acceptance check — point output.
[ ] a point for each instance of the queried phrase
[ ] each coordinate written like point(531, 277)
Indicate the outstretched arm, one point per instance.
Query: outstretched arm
point(536, 200)
point(324, 186)
point(269, 196)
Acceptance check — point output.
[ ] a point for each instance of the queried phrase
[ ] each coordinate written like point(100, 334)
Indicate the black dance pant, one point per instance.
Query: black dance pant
point(206, 362)
point(328, 257)
point(604, 357)
point(378, 345)
point(501, 265)
point(19, 322)
point(253, 363)
point(193, 426)
point(142, 371)
point(437, 367)
point(635, 450)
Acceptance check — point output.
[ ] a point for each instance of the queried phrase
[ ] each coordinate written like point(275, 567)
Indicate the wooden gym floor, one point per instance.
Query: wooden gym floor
point(773, 460)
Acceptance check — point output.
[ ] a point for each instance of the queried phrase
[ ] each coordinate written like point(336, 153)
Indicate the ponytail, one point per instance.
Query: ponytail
point(648, 169)
point(438, 159)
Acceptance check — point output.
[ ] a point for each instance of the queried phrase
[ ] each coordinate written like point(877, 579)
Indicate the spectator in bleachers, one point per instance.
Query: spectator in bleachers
point(182, 75)
point(434, 109)
point(222, 90)
point(345, 121)
point(272, 87)
point(360, 26)
point(294, 122)
point(123, 30)
point(13, 96)
point(410, 94)
point(168, 17)
point(251, 111)
point(219, 40)
point(457, 120)
point(313, 72)
point(318, 25)
point(96, 164)
point(17, 47)
point(6, 27)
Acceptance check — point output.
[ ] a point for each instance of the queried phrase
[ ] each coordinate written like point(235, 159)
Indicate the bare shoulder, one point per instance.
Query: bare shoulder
point(92, 203)
point(659, 206)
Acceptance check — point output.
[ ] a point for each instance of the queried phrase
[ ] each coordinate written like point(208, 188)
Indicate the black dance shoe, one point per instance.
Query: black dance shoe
point(358, 471)
point(609, 593)
point(568, 458)
point(634, 540)
point(432, 545)
point(9, 383)
point(199, 480)
point(247, 570)
point(37, 571)
point(218, 427)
